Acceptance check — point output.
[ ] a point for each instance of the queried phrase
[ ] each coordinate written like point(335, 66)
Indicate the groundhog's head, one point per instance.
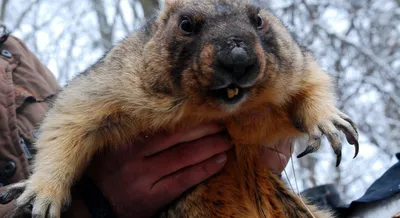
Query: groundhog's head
point(220, 54)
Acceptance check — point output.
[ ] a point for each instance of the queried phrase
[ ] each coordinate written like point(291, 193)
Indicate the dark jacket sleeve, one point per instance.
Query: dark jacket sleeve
point(26, 90)
point(26, 86)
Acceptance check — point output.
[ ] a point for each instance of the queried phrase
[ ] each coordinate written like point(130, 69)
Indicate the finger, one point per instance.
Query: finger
point(164, 141)
point(276, 159)
point(172, 186)
point(186, 154)
point(285, 147)
point(273, 160)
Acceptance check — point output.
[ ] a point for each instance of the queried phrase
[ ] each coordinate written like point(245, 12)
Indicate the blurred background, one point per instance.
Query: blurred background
point(356, 41)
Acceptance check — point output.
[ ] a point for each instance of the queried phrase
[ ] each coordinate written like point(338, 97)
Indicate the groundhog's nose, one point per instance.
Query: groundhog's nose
point(236, 69)
point(236, 59)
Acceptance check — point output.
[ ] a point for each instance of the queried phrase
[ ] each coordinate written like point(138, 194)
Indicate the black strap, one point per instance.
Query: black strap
point(94, 199)
point(3, 34)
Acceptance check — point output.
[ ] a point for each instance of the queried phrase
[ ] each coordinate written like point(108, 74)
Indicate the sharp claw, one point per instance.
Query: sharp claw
point(356, 147)
point(4, 198)
point(352, 124)
point(353, 141)
point(9, 195)
point(351, 138)
point(347, 119)
point(308, 150)
point(339, 157)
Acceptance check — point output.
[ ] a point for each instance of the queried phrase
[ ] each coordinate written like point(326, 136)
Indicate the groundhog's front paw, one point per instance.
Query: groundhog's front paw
point(43, 200)
point(330, 126)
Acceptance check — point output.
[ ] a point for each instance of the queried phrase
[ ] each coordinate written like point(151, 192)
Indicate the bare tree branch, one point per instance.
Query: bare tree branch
point(149, 7)
point(3, 10)
point(105, 29)
point(380, 62)
point(24, 13)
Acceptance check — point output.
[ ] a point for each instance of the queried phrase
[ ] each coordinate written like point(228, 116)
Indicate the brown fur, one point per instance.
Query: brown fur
point(139, 87)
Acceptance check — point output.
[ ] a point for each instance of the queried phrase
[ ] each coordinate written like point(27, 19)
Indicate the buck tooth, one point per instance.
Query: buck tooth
point(232, 92)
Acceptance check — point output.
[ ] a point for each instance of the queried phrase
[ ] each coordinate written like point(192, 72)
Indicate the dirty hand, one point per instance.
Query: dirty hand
point(142, 178)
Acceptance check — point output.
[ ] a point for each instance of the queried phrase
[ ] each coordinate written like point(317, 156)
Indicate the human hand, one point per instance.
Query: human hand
point(141, 178)
point(276, 158)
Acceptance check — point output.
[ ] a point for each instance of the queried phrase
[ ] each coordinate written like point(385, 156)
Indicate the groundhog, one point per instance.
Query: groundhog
point(197, 61)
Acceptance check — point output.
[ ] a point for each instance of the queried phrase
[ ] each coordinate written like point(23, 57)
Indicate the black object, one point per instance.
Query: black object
point(327, 196)
point(324, 196)
point(386, 186)
point(4, 34)
point(7, 170)
point(94, 199)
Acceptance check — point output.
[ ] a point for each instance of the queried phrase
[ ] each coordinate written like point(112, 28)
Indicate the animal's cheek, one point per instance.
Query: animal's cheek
point(200, 75)
point(206, 64)
point(262, 59)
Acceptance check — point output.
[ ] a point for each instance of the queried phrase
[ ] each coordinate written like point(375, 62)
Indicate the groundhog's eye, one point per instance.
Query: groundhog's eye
point(186, 25)
point(260, 22)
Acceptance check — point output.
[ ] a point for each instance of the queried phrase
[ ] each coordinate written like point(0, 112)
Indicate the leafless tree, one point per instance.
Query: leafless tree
point(358, 43)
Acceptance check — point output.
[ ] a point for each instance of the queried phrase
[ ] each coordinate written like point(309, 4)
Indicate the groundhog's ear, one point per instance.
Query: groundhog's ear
point(172, 4)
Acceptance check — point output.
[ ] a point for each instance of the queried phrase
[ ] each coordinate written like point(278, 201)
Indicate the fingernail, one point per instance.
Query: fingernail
point(220, 158)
